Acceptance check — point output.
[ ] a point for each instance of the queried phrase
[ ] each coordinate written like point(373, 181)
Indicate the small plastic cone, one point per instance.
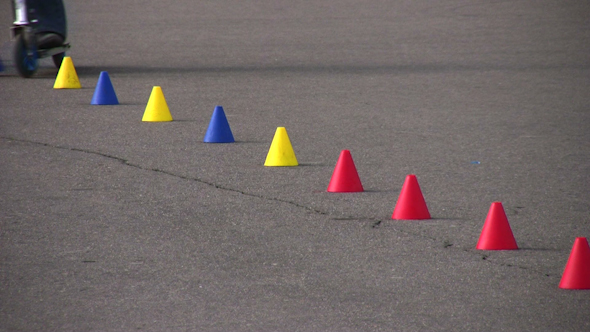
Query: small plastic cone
point(281, 152)
point(345, 177)
point(577, 270)
point(496, 233)
point(104, 93)
point(66, 76)
point(411, 204)
point(219, 130)
point(157, 108)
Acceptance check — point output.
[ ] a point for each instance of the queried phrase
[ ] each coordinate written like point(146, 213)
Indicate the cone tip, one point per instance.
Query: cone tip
point(218, 109)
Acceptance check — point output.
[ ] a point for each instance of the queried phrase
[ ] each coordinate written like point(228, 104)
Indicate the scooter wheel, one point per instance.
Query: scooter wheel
point(26, 64)
point(57, 59)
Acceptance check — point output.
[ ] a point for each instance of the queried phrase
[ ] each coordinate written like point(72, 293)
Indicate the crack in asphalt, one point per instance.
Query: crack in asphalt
point(374, 222)
point(157, 170)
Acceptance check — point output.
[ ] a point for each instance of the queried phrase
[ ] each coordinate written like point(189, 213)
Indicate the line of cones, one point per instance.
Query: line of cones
point(411, 205)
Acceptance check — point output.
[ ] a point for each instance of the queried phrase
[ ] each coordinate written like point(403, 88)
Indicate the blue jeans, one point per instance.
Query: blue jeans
point(51, 15)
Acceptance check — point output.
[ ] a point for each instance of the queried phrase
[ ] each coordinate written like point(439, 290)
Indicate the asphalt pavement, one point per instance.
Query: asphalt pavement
point(108, 223)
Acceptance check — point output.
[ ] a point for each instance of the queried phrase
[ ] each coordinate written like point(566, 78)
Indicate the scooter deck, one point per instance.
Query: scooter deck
point(52, 51)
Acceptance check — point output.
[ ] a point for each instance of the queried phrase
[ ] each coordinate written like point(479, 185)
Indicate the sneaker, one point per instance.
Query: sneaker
point(49, 40)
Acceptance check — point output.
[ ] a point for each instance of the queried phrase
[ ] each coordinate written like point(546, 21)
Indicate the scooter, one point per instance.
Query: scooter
point(26, 52)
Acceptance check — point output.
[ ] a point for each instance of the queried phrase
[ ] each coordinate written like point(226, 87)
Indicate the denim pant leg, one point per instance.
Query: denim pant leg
point(51, 15)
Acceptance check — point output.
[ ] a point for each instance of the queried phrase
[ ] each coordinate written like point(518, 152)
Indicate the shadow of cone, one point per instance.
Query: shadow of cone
point(496, 233)
point(411, 204)
point(345, 178)
point(281, 151)
point(67, 78)
point(104, 94)
point(157, 108)
point(219, 130)
point(577, 270)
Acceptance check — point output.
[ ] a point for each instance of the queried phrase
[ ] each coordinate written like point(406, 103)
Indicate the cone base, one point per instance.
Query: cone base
point(280, 165)
point(156, 120)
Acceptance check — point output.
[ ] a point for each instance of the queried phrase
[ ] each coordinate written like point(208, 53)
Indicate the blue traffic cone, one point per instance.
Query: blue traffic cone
point(104, 94)
point(218, 131)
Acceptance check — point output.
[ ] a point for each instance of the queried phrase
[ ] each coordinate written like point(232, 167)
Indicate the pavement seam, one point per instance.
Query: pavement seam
point(375, 222)
point(157, 170)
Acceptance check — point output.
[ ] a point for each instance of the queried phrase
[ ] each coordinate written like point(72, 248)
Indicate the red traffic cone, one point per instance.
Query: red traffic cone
point(410, 204)
point(577, 270)
point(496, 233)
point(345, 178)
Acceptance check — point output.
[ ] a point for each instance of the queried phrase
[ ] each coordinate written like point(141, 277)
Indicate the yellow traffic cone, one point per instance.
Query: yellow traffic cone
point(66, 76)
point(157, 108)
point(281, 152)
